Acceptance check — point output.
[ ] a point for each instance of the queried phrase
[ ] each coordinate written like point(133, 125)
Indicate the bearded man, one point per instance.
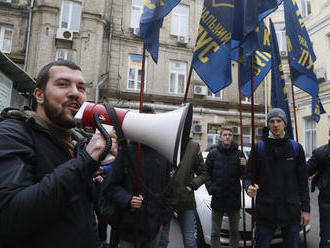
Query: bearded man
point(46, 191)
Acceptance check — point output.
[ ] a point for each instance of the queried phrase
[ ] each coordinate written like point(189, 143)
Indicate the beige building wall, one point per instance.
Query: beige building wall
point(207, 110)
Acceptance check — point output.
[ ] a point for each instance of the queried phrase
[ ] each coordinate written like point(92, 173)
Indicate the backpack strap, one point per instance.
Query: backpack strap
point(295, 146)
point(260, 148)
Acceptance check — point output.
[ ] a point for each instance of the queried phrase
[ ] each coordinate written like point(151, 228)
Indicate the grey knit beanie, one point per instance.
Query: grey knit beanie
point(277, 112)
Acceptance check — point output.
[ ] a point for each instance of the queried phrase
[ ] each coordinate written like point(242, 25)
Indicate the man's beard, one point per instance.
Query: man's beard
point(56, 116)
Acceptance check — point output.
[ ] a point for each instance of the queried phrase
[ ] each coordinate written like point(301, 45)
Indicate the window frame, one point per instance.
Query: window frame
point(136, 73)
point(178, 25)
point(67, 54)
point(312, 131)
point(214, 96)
point(3, 29)
point(281, 36)
point(177, 74)
point(70, 15)
point(138, 8)
point(305, 8)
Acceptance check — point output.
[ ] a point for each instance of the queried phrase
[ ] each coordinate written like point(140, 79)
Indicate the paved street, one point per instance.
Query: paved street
point(312, 236)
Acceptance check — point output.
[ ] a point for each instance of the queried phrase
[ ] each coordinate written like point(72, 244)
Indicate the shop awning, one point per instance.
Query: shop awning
point(22, 81)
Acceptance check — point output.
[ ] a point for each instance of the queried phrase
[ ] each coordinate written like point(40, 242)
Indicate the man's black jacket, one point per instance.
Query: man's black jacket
point(45, 194)
point(319, 163)
point(224, 173)
point(283, 182)
point(154, 187)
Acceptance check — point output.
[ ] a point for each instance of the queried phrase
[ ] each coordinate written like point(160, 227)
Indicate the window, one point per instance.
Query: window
point(66, 54)
point(6, 36)
point(134, 72)
point(247, 136)
point(281, 36)
point(180, 20)
point(178, 72)
point(213, 133)
point(70, 15)
point(310, 136)
point(5, 1)
point(217, 96)
point(246, 99)
point(136, 12)
point(305, 7)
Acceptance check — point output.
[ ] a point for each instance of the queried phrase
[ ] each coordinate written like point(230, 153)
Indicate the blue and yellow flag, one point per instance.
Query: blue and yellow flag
point(261, 61)
point(224, 25)
point(301, 56)
point(279, 95)
point(152, 20)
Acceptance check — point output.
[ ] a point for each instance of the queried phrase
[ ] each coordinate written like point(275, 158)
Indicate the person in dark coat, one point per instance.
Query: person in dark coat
point(319, 167)
point(46, 191)
point(280, 184)
point(150, 209)
point(224, 166)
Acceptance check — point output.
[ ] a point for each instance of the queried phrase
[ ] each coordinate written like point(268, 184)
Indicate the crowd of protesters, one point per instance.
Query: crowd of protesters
point(53, 194)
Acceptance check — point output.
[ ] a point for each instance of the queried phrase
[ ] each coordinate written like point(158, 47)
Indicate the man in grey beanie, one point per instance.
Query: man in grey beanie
point(279, 182)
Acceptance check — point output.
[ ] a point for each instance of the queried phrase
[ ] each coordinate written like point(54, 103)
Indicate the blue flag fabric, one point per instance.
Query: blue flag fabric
point(279, 96)
point(301, 56)
point(226, 24)
point(261, 61)
point(151, 21)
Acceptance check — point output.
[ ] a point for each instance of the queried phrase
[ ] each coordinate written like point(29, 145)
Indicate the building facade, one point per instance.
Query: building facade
point(102, 37)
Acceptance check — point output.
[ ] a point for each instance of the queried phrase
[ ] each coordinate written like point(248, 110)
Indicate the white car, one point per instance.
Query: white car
point(203, 219)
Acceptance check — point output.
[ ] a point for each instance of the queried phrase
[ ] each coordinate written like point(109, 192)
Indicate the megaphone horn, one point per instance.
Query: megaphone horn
point(167, 133)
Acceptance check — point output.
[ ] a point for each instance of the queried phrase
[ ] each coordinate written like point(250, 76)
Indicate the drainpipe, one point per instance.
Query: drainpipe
point(99, 83)
point(28, 35)
point(106, 76)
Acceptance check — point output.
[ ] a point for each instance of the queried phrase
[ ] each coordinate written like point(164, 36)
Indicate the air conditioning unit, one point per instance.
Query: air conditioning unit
point(197, 128)
point(321, 74)
point(64, 34)
point(200, 90)
point(182, 39)
point(136, 31)
point(284, 53)
point(236, 130)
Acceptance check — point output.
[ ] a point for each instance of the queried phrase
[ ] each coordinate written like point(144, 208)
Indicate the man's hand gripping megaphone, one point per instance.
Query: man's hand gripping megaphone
point(103, 145)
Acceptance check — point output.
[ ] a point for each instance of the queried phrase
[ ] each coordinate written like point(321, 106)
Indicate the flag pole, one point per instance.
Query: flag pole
point(241, 137)
point(293, 103)
point(296, 128)
point(138, 169)
point(188, 84)
point(252, 145)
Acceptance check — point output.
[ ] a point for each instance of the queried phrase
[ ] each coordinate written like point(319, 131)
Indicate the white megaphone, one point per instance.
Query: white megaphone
point(167, 133)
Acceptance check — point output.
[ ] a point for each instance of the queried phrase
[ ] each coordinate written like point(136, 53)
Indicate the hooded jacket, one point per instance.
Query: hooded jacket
point(191, 164)
point(282, 180)
point(224, 172)
point(46, 197)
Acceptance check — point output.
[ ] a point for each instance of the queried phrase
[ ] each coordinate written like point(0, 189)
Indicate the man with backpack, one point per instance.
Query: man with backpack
point(277, 176)
point(319, 167)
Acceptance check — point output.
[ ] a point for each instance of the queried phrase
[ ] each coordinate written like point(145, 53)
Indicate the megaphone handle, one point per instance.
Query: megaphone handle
point(105, 134)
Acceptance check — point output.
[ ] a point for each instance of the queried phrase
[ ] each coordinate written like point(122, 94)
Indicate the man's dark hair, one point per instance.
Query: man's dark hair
point(147, 109)
point(43, 75)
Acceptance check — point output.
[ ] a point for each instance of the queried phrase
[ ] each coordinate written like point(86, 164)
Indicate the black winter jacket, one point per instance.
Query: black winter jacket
point(154, 187)
point(320, 163)
point(283, 183)
point(45, 194)
point(223, 182)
